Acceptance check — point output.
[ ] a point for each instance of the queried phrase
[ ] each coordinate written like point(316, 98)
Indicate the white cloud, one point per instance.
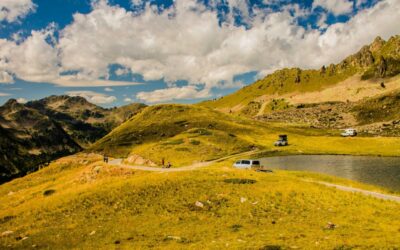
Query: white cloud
point(4, 94)
point(175, 93)
point(32, 60)
point(128, 99)
point(186, 42)
point(108, 89)
point(337, 7)
point(5, 77)
point(12, 10)
point(137, 2)
point(93, 97)
point(22, 100)
point(121, 72)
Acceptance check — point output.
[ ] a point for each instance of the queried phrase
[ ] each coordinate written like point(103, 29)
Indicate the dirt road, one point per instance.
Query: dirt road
point(205, 164)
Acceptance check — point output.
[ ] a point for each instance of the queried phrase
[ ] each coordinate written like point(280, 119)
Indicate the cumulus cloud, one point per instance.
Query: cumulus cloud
point(4, 94)
point(22, 100)
point(127, 99)
point(187, 42)
point(12, 10)
point(121, 72)
point(93, 97)
point(6, 77)
point(108, 89)
point(32, 60)
point(174, 93)
point(337, 7)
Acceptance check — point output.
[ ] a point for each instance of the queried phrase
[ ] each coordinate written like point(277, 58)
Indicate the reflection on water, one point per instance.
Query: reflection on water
point(381, 171)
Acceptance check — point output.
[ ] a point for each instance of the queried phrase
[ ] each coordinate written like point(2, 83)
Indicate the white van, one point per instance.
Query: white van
point(247, 164)
point(350, 132)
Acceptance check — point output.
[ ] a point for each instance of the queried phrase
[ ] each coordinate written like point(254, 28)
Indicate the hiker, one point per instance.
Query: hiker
point(105, 158)
point(162, 162)
point(169, 165)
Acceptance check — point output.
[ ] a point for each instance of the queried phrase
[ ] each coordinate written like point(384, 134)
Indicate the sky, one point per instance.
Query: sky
point(117, 52)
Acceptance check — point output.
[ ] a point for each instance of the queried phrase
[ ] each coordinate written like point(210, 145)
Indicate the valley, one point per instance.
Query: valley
point(131, 202)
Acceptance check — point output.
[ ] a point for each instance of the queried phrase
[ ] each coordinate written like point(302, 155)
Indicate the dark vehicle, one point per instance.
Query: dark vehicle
point(282, 141)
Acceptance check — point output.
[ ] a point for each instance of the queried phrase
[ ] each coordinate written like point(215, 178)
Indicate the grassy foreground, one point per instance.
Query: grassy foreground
point(77, 202)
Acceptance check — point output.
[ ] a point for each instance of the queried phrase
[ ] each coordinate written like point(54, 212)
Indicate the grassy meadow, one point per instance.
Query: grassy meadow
point(184, 135)
point(78, 202)
point(81, 203)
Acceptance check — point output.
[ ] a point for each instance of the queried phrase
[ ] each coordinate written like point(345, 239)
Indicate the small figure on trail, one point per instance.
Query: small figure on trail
point(383, 85)
point(162, 162)
point(169, 165)
point(105, 158)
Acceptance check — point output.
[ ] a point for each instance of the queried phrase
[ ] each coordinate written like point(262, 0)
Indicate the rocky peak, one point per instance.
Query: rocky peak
point(377, 44)
point(11, 105)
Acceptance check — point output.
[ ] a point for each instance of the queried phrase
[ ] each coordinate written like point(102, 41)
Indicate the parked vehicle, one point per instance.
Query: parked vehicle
point(350, 132)
point(247, 164)
point(282, 141)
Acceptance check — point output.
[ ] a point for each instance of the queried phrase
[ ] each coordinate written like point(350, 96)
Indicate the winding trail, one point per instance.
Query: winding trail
point(192, 167)
point(118, 162)
point(361, 191)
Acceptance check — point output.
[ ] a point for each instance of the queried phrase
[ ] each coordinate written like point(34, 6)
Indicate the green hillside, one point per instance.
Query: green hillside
point(80, 203)
point(180, 132)
point(379, 60)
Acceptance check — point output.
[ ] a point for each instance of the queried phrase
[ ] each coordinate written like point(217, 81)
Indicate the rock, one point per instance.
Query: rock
point(92, 233)
point(242, 199)
point(24, 238)
point(330, 225)
point(97, 169)
point(117, 242)
point(138, 160)
point(6, 233)
point(199, 204)
point(170, 237)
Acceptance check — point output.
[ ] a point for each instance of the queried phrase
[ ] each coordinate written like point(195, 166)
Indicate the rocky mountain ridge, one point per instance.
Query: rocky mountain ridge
point(37, 132)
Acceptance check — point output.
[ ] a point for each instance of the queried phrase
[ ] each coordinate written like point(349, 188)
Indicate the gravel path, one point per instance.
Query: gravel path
point(362, 191)
point(181, 169)
point(205, 164)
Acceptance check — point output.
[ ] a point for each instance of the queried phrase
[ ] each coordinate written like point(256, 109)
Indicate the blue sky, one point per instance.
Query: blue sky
point(120, 51)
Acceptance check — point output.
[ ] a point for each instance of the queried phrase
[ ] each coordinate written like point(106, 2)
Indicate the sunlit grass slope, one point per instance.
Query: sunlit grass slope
point(185, 135)
point(182, 132)
point(282, 82)
point(77, 202)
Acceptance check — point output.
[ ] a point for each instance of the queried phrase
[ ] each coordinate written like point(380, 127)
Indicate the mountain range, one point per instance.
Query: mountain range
point(37, 132)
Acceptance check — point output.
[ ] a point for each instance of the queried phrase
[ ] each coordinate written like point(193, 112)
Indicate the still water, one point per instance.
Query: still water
point(380, 171)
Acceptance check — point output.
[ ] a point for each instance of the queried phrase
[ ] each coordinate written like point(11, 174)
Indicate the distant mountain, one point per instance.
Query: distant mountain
point(84, 121)
point(40, 131)
point(374, 63)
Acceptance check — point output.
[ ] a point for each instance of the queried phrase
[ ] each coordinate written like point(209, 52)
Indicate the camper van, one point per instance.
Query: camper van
point(350, 132)
point(247, 164)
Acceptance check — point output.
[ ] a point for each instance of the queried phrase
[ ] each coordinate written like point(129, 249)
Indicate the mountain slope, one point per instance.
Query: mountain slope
point(374, 62)
point(84, 121)
point(29, 138)
point(40, 131)
point(180, 132)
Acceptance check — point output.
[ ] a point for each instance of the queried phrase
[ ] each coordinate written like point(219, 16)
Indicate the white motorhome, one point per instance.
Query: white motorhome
point(350, 132)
